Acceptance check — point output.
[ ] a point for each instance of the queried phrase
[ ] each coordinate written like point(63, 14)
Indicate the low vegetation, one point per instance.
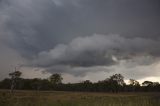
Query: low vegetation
point(39, 98)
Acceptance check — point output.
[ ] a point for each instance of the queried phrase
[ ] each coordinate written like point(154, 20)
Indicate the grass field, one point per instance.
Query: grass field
point(33, 98)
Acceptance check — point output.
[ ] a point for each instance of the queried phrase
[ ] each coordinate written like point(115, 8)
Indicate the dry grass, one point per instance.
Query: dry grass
point(47, 98)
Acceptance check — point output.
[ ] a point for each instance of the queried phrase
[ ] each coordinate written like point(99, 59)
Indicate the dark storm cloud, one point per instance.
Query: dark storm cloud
point(35, 25)
point(97, 50)
point(54, 33)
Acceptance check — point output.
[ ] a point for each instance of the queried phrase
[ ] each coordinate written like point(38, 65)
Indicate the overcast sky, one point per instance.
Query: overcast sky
point(81, 39)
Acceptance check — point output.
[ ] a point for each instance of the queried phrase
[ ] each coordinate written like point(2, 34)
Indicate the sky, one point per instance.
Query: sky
point(80, 39)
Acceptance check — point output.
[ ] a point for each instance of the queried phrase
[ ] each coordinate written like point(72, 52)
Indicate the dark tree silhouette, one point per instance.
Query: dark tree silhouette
point(55, 78)
point(117, 78)
point(133, 85)
point(114, 83)
point(14, 79)
point(133, 82)
point(147, 83)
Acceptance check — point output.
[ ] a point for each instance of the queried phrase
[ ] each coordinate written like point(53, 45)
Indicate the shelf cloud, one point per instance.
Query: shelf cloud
point(79, 37)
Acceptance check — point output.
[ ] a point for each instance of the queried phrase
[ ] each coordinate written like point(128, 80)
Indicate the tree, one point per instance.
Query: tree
point(133, 82)
point(14, 78)
point(87, 85)
point(133, 85)
point(55, 78)
point(116, 82)
point(147, 83)
point(117, 78)
point(36, 84)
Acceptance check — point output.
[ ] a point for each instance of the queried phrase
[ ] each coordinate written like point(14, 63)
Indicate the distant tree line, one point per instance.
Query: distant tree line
point(114, 83)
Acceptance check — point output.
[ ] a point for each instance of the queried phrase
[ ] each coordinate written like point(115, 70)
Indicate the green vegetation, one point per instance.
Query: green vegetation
point(34, 98)
point(114, 83)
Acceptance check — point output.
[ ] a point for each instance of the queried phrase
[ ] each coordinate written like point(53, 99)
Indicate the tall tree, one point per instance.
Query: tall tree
point(118, 78)
point(14, 78)
point(116, 82)
point(133, 85)
point(55, 78)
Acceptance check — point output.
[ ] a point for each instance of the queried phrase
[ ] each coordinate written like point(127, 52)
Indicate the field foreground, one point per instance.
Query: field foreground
point(33, 98)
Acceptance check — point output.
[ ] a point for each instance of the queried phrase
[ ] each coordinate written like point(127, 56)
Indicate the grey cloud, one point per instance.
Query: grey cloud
point(140, 67)
point(33, 26)
point(97, 50)
point(9, 58)
point(59, 33)
point(77, 71)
